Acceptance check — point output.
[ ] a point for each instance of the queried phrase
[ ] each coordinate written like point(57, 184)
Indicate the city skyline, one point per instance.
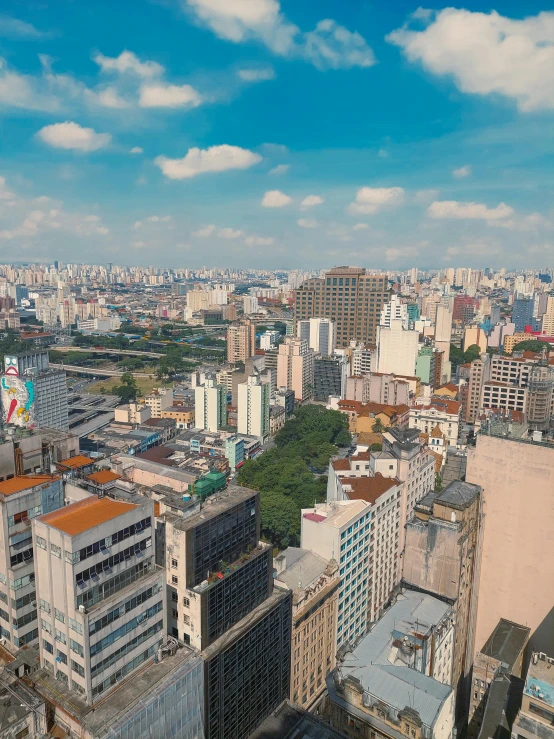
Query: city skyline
point(277, 135)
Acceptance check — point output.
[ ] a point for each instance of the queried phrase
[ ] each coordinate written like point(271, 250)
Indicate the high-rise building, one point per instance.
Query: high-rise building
point(32, 393)
point(540, 396)
point(22, 498)
point(250, 305)
point(397, 345)
point(463, 309)
point(363, 359)
point(479, 373)
point(253, 407)
point(241, 341)
point(330, 377)
point(348, 296)
point(547, 328)
point(443, 331)
point(341, 530)
point(522, 312)
point(224, 604)
point(517, 478)
point(101, 596)
point(441, 556)
point(315, 584)
point(210, 406)
point(319, 334)
point(295, 368)
point(269, 339)
point(425, 365)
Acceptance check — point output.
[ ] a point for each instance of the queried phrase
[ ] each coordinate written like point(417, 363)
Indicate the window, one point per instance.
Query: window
point(61, 657)
point(23, 733)
point(59, 615)
point(77, 668)
point(186, 602)
point(76, 626)
point(76, 647)
point(174, 613)
point(174, 564)
point(174, 597)
point(46, 645)
point(41, 542)
point(56, 551)
point(60, 636)
point(174, 580)
point(46, 626)
point(44, 606)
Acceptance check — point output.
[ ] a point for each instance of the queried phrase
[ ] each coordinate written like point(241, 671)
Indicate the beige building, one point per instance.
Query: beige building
point(315, 584)
point(547, 328)
point(479, 371)
point(158, 400)
point(511, 341)
point(475, 336)
point(241, 341)
point(182, 415)
point(517, 571)
point(132, 413)
point(295, 368)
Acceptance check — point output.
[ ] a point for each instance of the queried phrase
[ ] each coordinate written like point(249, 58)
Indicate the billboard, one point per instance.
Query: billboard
point(17, 394)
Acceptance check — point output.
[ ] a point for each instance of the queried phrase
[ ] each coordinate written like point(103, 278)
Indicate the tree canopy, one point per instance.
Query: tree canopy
point(284, 475)
point(532, 345)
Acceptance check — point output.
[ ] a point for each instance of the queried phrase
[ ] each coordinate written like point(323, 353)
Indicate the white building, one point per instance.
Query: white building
point(210, 406)
point(269, 339)
point(397, 345)
point(363, 359)
point(395, 310)
point(250, 305)
point(253, 407)
point(319, 334)
point(99, 324)
point(441, 412)
point(159, 400)
point(101, 596)
point(341, 531)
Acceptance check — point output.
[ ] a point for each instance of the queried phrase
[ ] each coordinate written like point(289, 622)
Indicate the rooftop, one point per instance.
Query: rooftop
point(24, 482)
point(302, 567)
point(506, 643)
point(369, 489)
point(74, 463)
point(289, 721)
point(540, 678)
point(458, 494)
point(102, 477)
point(336, 514)
point(375, 663)
point(214, 505)
point(86, 514)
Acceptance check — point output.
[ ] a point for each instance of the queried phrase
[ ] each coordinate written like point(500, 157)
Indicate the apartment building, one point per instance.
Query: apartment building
point(159, 400)
point(253, 408)
point(101, 596)
point(22, 498)
point(241, 341)
point(182, 415)
point(479, 373)
point(341, 530)
point(222, 602)
point(442, 557)
point(315, 585)
point(210, 406)
point(501, 395)
point(349, 297)
point(295, 368)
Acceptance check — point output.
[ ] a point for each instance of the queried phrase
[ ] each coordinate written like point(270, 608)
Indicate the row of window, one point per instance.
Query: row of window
point(106, 565)
point(129, 667)
point(125, 629)
point(124, 608)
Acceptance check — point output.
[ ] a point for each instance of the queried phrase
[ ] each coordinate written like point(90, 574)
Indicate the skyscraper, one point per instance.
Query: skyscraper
point(253, 407)
point(319, 334)
point(241, 341)
point(522, 313)
point(397, 345)
point(295, 368)
point(210, 406)
point(348, 296)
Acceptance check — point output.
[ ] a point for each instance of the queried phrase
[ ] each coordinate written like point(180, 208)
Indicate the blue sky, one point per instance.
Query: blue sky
point(291, 134)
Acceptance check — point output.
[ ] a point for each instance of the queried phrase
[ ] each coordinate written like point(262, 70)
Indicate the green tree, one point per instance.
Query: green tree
point(471, 353)
point(438, 483)
point(378, 427)
point(532, 345)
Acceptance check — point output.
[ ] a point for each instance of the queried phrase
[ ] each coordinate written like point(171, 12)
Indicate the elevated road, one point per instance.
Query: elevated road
point(97, 371)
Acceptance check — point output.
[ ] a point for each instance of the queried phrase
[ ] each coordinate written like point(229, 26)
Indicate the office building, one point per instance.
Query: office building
point(22, 498)
point(441, 556)
point(330, 377)
point(536, 716)
point(499, 660)
point(319, 334)
point(101, 596)
point(394, 681)
point(253, 407)
point(224, 604)
point(517, 478)
point(522, 313)
point(540, 399)
point(315, 584)
point(349, 297)
point(32, 393)
point(463, 309)
point(341, 530)
point(210, 406)
point(241, 341)
point(295, 368)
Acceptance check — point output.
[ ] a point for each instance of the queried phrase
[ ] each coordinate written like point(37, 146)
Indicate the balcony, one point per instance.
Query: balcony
point(228, 569)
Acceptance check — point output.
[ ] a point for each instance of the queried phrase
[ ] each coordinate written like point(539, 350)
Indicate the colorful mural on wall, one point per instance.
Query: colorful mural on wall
point(18, 395)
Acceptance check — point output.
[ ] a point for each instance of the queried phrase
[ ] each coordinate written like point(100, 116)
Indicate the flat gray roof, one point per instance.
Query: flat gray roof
point(214, 505)
point(458, 494)
point(289, 721)
point(506, 642)
point(302, 567)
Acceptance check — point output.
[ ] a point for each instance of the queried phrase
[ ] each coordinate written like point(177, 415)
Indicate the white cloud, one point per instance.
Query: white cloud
point(259, 241)
point(532, 222)
point(360, 227)
point(5, 194)
point(280, 169)
point(307, 223)
point(462, 172)
point(487, 53)
point(393, 254)
point(275, 199)
point(137, 225)
point(475, 211)
point(370, 200)
point(310, 201)
point(331, 46)
point(230, 233)
point(327, 46)
point(215, 159)
point(257, 74)
point(424, 196)
point(15, 28)
point(204, 232)
point(136, 150)
point(169, 96)
point(127, 61)
point(71, 135)
point(109, 98)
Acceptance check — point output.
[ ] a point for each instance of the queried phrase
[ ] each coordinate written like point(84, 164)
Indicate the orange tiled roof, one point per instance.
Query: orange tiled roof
point(86, 514)
point(341, 464)
point(24, 482)
point(369, 488)
point(436, 433)
point(75, 462)
point(103, 476)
